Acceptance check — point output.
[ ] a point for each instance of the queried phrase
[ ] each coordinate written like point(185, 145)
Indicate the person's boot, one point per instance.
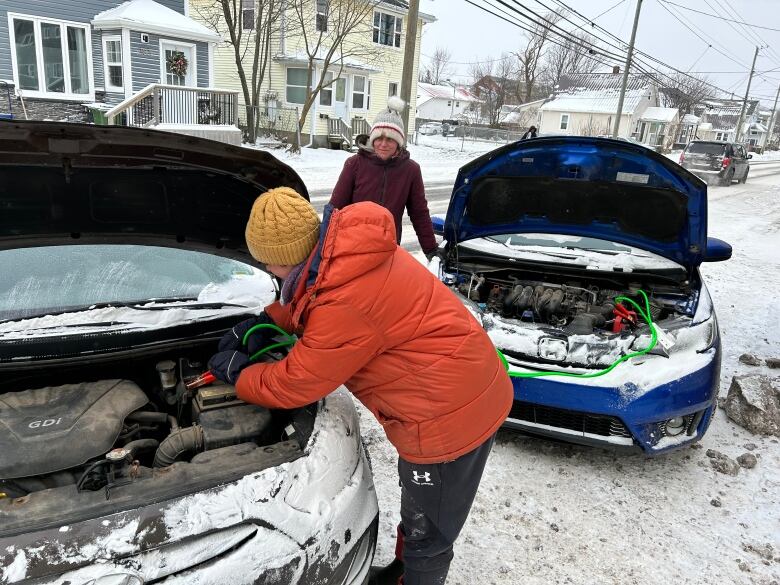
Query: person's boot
point(393, 573)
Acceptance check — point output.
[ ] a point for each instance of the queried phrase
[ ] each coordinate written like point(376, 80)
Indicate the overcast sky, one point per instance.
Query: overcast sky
point(472, 35)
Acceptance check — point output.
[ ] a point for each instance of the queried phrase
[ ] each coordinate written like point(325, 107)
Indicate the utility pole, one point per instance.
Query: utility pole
point(619, 113)
point(738, 133)
point(771, 120)
point(410, 47)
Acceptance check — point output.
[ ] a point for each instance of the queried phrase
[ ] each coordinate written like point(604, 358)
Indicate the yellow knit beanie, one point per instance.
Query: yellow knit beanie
point(283, 228)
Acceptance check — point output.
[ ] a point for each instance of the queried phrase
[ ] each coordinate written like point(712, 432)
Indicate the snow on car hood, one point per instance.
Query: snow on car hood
point(594, 187)
point(63, 183)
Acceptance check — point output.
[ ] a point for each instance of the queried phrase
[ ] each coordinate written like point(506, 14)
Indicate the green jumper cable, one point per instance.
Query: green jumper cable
point(645, 313)
point(290, 340)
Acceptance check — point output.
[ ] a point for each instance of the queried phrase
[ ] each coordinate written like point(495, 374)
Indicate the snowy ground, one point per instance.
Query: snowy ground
point(555, 513)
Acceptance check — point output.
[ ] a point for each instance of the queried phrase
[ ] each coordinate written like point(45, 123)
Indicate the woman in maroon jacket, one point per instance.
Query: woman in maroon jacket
point(382, 172)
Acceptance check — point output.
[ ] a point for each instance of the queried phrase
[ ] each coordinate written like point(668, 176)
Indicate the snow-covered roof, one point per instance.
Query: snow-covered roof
point(690, 119)
point(427, 91)
point(149, 16)
point(597, 93)
point(303, 59)
point(656, 114)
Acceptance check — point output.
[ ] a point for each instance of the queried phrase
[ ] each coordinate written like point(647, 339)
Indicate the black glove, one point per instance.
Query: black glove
point(227, 365)
point(234, 339)
point(431, 253)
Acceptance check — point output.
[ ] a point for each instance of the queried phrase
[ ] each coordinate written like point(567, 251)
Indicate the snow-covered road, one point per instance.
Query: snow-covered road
point(554, 513)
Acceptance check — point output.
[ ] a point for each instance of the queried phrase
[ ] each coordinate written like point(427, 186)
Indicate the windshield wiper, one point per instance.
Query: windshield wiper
point(188, 303)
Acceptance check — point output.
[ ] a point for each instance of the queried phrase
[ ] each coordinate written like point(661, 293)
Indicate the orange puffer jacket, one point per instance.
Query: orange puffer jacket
point(376, 320)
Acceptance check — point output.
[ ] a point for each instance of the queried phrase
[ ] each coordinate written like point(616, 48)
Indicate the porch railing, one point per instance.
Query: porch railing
point(172, 104)
point(360, 126)
point(339, 129)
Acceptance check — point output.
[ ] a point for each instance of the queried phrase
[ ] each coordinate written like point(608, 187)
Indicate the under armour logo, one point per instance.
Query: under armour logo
point(421, 478)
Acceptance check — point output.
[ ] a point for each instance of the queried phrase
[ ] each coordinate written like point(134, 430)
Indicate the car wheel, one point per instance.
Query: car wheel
point(728, 178)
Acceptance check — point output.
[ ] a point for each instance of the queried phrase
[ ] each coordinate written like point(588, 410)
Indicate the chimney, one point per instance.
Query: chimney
point(616, 70)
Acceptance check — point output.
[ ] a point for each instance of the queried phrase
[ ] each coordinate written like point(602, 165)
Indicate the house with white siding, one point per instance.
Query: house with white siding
point(140, 62)
point(585, 104)
point(357, 88)
point(444, 102)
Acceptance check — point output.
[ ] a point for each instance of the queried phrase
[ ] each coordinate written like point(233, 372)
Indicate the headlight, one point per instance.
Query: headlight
point(675, 426)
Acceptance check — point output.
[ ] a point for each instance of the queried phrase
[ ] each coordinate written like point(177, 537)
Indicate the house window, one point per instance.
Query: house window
point(50, 57)
point(248, 14)
point(564, 121)
point(296, 85)
point(387, 29)
point(457, 104)
point(720, 136)
point(326, 93)
point(360, 86)
point(449, 103)
point(392, 89)
point(112, 63)
point(322, 15)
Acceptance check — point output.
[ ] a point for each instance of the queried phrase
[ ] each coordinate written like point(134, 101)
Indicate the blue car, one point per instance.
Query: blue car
point(580, 257)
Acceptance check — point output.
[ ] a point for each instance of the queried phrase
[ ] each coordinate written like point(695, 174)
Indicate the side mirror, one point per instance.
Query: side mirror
point(750, 156)
point(717, 250)
point(438, 225)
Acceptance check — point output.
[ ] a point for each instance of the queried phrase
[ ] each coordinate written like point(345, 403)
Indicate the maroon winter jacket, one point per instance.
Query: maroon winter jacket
point(395, 184)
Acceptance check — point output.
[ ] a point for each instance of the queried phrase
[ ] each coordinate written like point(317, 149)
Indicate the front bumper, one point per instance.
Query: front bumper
point(312, 520)
point(624, 415)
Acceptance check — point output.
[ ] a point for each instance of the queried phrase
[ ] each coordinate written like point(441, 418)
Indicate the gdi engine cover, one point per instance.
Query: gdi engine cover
point(58, 427)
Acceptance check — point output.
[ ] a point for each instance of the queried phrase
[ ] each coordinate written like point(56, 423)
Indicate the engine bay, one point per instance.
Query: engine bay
point(103, 433)
point(577, 319)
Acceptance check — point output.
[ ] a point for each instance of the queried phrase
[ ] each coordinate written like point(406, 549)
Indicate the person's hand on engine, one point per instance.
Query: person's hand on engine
point(234, 339)
point(227, 365)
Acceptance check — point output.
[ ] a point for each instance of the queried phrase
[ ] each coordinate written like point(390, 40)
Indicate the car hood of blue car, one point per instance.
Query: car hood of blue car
point(594, 187)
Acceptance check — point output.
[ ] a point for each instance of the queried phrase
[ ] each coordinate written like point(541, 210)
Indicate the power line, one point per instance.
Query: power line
point(641, 66)
point(719, 17)
point(639, 53)
point(608, 10)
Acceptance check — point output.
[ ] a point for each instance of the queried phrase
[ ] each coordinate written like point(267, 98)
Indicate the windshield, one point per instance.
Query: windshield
point(64, 279)
point(705, 148)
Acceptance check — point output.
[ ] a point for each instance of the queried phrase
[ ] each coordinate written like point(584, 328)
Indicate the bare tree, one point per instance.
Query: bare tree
point(569, 56)
point(329, 34)
point(683, 92)
point(593, 128)
point(247, 27)
point(438, 68)
point(495, 85)
point(530, 57)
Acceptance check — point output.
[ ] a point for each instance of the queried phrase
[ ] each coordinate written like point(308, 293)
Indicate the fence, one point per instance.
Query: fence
point(481, 133)
point(270, 121)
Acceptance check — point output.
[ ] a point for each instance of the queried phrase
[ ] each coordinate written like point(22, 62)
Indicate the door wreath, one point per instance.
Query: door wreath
point(177, 63)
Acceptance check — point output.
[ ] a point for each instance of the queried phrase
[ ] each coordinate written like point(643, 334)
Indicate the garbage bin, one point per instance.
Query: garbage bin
point(97, 116)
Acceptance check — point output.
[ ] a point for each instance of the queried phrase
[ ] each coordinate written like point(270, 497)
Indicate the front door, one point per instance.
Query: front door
point(172, 72)
point(178, 68)
point(340, 98)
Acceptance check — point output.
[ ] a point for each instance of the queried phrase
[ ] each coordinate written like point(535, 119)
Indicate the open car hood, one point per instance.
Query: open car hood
point(64, 183)
point(593, 187)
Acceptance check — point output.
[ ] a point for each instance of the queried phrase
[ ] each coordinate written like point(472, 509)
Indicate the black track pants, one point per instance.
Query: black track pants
point(435, 502)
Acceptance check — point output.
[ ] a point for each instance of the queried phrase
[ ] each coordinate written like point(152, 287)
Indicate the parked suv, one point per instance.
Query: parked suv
point(713, 160)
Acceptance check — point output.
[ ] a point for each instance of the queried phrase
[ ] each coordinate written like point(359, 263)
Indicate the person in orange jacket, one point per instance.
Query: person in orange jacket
point(371, 317)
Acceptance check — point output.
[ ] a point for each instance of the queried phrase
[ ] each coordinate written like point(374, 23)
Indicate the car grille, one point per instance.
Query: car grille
point(594, 424)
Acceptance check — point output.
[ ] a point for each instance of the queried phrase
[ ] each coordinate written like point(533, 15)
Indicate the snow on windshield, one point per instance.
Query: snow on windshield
point(571, 250)
point(48, 289)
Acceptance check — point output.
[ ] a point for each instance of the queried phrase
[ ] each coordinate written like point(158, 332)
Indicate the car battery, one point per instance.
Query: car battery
point(225, 419)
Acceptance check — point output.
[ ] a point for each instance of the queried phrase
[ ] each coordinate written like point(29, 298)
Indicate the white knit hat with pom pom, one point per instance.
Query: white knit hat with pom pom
point(389, 123)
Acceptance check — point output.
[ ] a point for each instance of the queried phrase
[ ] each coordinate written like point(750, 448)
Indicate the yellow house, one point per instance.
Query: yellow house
point(363, 74)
